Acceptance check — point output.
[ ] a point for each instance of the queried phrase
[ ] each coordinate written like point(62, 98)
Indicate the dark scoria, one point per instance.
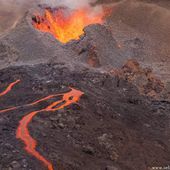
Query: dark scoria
point(111, 125)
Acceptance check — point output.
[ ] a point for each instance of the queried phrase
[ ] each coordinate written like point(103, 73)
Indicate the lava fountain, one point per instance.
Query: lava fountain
point(66, 24)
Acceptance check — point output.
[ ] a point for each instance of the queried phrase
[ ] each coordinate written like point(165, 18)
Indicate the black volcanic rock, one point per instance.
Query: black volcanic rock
point(106, 130)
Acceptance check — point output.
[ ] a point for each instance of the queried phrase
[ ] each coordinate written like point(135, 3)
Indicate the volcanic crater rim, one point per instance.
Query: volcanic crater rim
point(66, 24)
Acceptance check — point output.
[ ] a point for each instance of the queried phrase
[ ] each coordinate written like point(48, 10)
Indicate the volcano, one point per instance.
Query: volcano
point(86, 87)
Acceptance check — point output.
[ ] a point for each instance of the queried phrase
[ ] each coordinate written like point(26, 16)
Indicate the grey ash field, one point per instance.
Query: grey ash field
point(122, 122)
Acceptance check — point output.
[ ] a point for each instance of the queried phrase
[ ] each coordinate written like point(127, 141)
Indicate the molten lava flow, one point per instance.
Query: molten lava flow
point(65, 24)
point(8, 89)
point(23, 132)
point(26, 105)
point(9, 109)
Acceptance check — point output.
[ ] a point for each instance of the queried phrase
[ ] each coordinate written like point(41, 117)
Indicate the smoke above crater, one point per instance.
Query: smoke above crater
point(22, 5)
point(12, 10)
point(69, 3)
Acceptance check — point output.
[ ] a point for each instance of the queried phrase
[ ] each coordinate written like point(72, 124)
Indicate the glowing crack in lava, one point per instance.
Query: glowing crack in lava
point(23, 133)
point(8, 89)
point(65, 24)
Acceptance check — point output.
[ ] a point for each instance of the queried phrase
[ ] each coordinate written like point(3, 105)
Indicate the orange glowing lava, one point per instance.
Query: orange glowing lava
point(26, 105)
point(65, 24)
point(10, 86)
point(23, 132)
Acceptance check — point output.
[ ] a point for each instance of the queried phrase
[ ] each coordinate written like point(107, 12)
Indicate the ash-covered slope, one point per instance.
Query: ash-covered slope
point(33, 47)
point(147, 22)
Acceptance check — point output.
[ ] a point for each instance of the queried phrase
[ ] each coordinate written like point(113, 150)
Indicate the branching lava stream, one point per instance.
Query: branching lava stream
point(23, 133)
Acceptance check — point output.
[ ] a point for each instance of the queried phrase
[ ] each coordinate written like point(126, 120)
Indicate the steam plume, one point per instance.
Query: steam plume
point(12, 10)
point(69, 3)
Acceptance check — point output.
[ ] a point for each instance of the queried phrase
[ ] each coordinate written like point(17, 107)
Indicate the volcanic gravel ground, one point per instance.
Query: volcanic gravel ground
point(111, 127)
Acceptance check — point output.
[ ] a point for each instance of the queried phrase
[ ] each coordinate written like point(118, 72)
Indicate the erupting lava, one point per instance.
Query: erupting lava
point(23, 133)
point(65, 24)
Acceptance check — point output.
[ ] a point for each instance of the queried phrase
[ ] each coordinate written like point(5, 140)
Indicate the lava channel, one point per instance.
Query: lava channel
point(23, 133)
point(9, 88)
